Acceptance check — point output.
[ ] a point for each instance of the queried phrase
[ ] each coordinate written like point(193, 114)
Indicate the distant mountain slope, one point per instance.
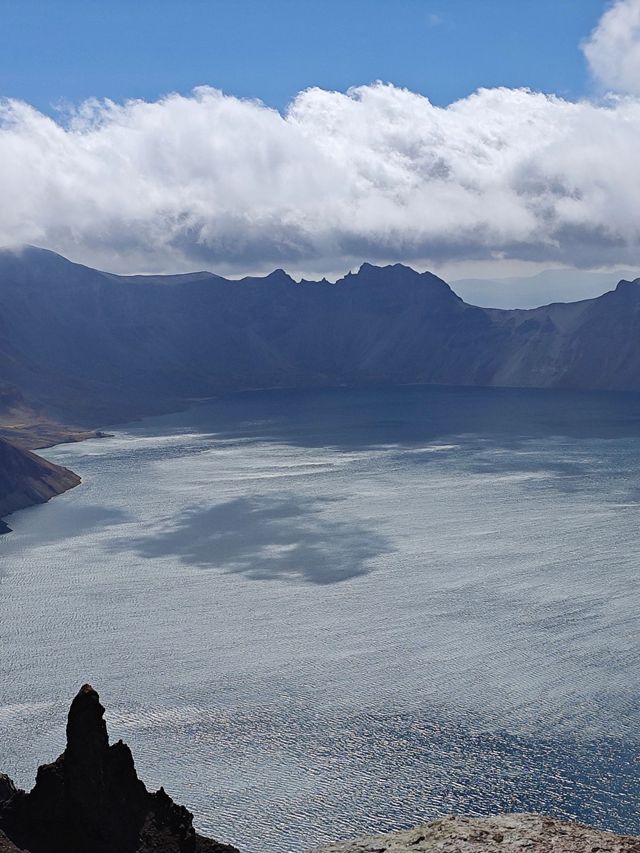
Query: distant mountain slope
point(30, 427)
point(26, 479)
point(590, 344)
point(97, 348)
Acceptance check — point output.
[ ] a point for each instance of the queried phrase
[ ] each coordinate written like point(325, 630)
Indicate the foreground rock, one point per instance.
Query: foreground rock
point(27, 479)
point(501, 834)
point(91, 801)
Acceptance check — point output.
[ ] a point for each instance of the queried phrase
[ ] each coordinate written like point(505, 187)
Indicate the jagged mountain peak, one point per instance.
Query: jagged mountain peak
point(624, 284)
point(397, 277)
point(90, 799)
point(367, 267)
point(86, 728)
point(279, 275)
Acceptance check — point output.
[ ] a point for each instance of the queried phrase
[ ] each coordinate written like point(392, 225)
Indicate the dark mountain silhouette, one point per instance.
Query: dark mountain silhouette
point(90, 800)
point(96, 347)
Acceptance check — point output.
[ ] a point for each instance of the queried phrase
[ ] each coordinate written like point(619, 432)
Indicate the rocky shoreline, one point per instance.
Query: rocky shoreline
point(27, 479)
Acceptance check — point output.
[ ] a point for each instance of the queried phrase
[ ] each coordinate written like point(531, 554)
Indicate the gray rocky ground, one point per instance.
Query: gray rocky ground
point(508, 833)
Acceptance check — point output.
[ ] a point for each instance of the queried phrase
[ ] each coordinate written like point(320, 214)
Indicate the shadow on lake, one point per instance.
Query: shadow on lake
point(275, 538)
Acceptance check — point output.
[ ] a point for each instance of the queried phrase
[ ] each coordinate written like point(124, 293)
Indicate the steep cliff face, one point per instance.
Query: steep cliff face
point(27, 479)
point(91, 801)
point(96, 348)
point(510, 833)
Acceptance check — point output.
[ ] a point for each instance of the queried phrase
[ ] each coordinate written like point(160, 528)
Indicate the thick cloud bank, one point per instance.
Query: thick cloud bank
point(378, 173)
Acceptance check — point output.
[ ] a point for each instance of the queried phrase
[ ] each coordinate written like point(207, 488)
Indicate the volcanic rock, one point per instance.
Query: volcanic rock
point(90, 800)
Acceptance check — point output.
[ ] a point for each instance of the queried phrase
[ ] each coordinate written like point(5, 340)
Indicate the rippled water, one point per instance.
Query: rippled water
point(314, 614)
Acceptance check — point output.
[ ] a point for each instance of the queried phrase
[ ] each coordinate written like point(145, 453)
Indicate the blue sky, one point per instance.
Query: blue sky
point(57, 50)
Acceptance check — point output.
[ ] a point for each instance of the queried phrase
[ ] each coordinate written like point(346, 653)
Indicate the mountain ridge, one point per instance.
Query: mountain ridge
point(92, 347)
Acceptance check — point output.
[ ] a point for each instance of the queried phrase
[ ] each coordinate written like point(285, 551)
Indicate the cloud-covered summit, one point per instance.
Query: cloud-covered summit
point(378, 172)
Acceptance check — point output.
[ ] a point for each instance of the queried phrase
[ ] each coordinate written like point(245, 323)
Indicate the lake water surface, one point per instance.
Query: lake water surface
point(314, 614)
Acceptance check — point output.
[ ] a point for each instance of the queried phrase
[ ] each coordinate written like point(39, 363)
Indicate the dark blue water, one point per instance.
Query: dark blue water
point(314, 614)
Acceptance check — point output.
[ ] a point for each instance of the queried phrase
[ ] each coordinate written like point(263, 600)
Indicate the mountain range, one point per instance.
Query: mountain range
point(92, 347)
point(83, 347)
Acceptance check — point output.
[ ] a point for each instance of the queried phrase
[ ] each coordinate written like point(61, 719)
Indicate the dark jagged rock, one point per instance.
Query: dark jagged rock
point(90, 800)
point(7, 788)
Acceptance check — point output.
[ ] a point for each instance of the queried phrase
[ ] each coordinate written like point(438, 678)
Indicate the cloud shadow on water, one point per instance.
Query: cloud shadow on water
point(274, 538)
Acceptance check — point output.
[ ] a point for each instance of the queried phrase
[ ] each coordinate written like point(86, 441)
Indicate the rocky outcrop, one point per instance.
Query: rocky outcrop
point(27, 479)
point(7, 846)
point(90, 800)
point(501, 834)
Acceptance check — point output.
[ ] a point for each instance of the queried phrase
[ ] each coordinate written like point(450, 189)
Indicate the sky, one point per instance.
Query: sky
point(472, 137)
point(53, 51)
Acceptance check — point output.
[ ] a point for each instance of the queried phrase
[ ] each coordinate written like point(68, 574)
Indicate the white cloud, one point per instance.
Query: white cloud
point(613, 48)
point(378, 173)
